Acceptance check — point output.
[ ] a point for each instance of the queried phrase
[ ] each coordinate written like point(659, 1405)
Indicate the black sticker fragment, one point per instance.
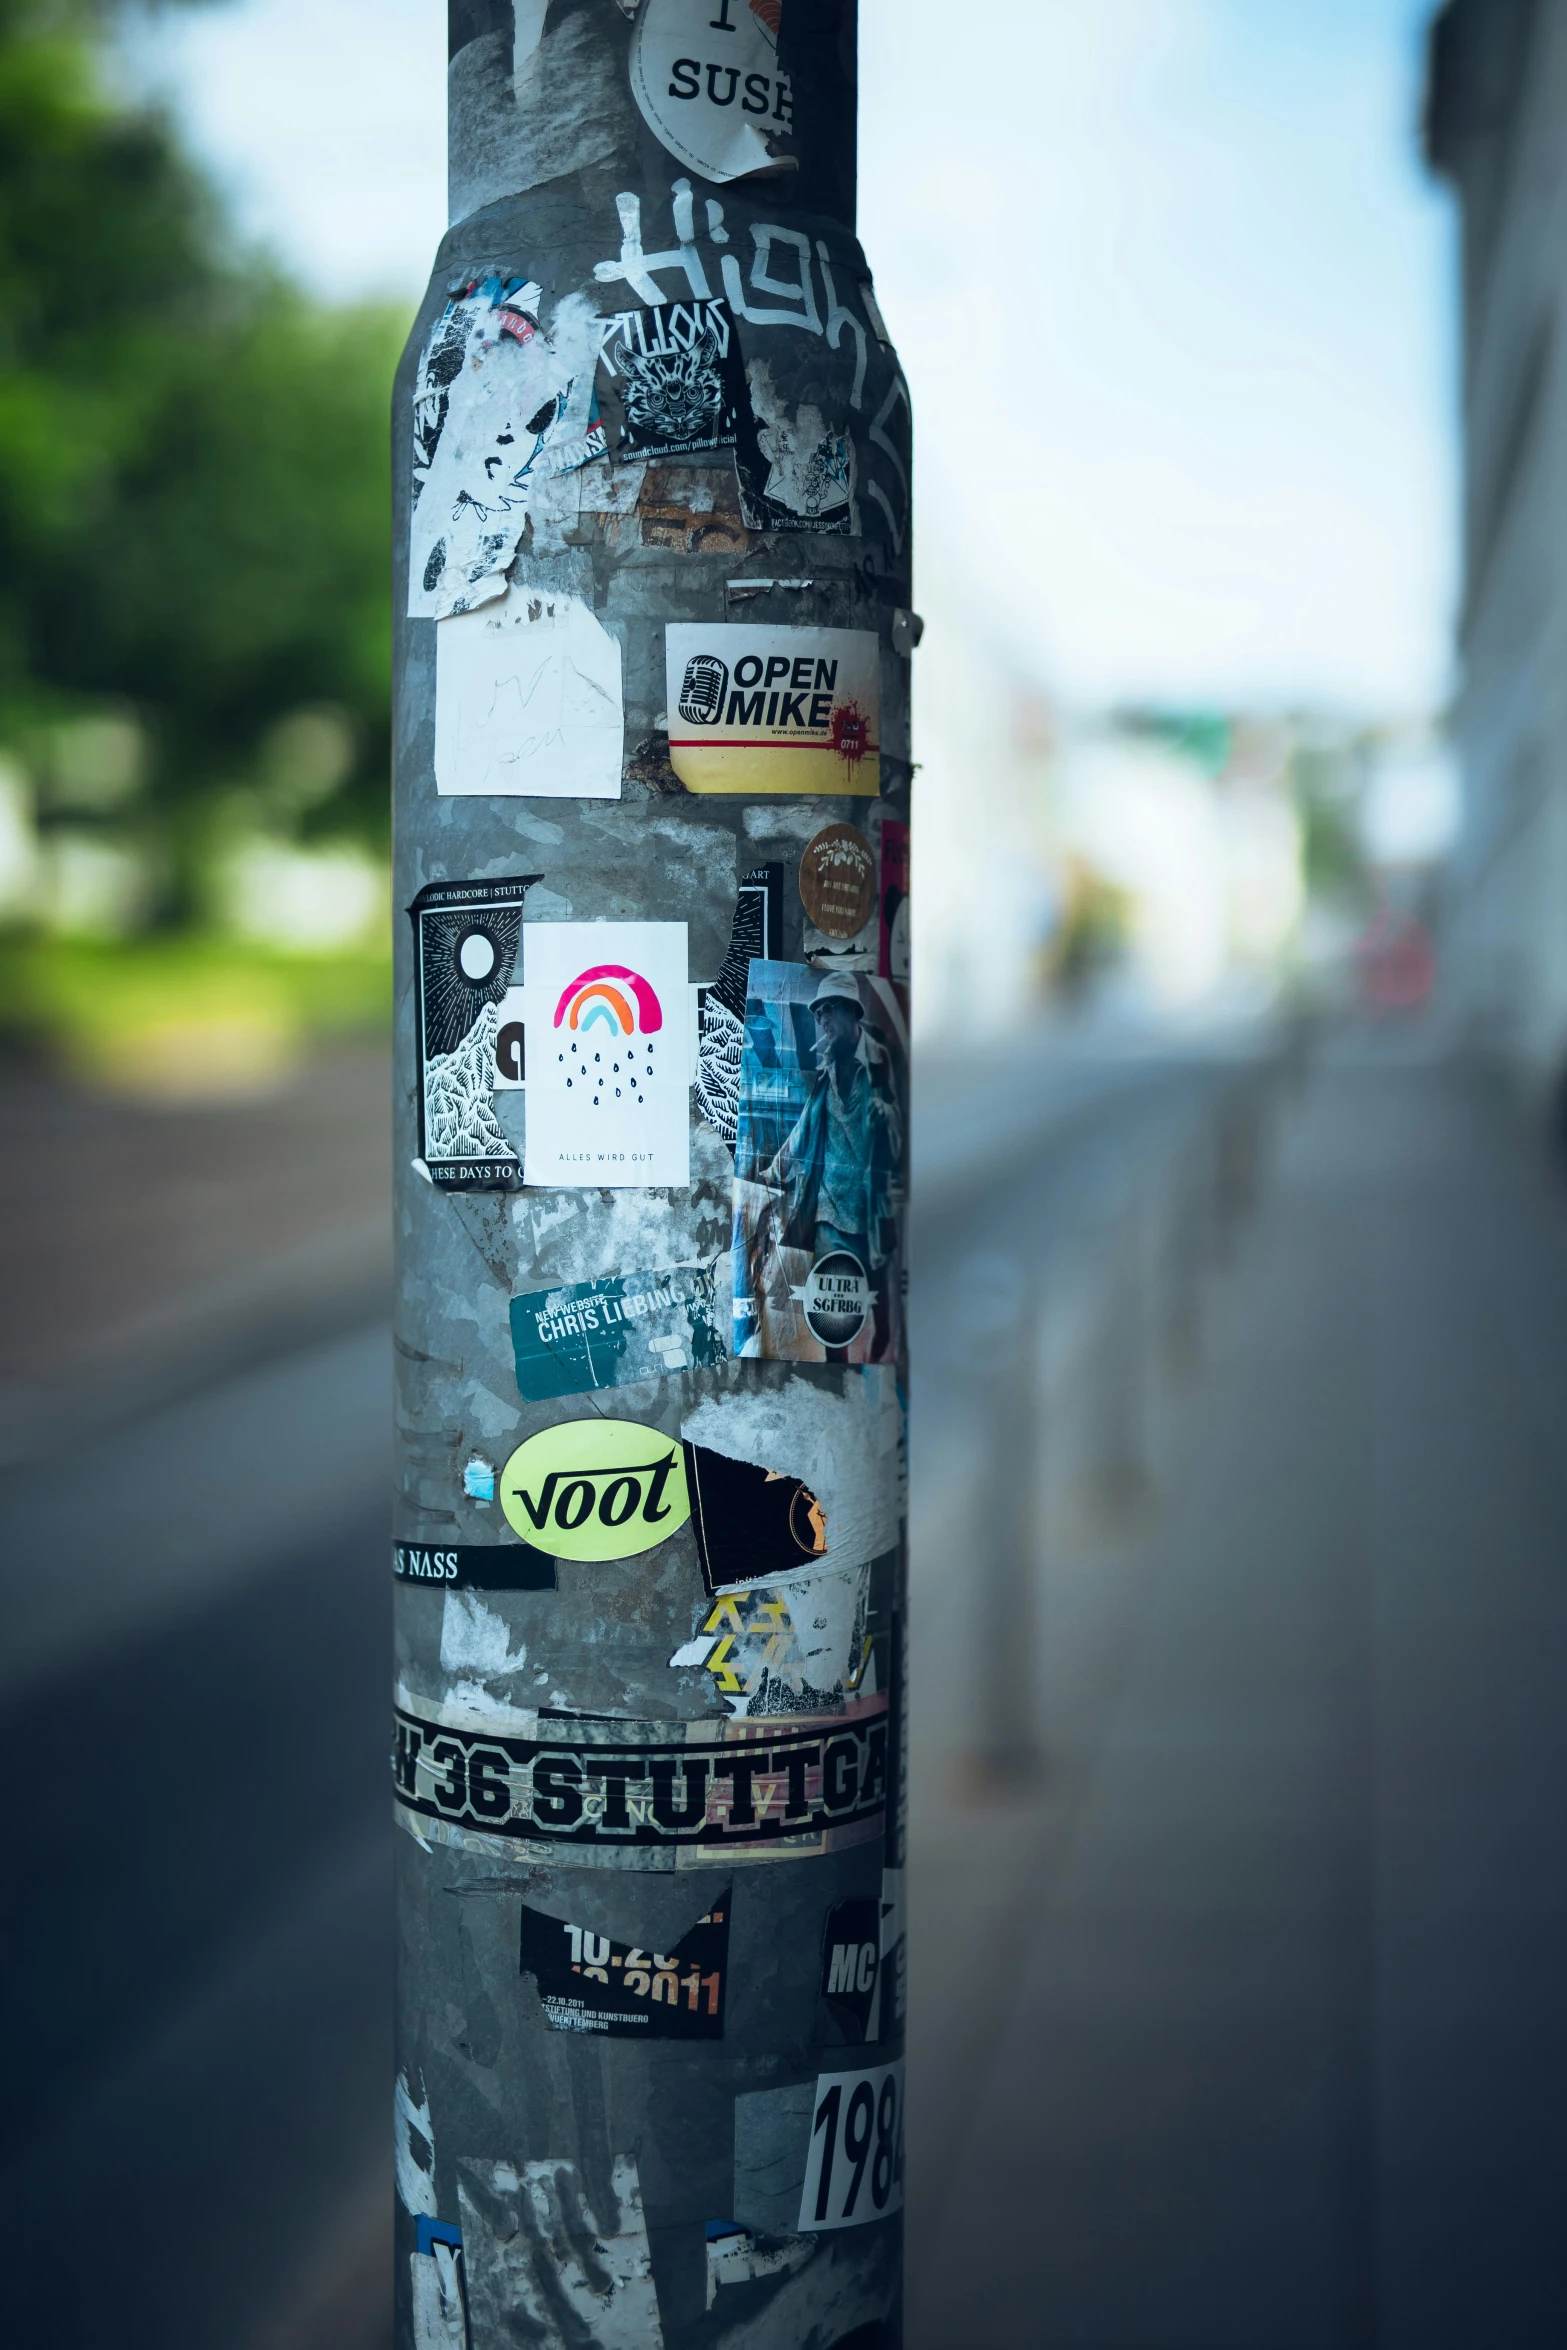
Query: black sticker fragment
point(851, 1969)
point(751, 1525)
point(590, 1983)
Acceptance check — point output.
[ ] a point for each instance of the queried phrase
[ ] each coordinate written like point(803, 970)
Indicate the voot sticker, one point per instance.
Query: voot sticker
point(596, 1489)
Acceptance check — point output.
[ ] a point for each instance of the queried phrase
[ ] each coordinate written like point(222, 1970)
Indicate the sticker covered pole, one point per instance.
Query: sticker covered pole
point(652, 464)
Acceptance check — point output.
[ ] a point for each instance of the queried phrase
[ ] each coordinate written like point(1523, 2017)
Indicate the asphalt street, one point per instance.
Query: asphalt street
point(1237, 2025)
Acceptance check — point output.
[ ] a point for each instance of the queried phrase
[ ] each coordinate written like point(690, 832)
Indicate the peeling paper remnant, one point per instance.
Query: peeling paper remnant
point(528, 701)
point(413, 2148)
point(802, 1649)
point(734, 2257)
point(499, 405)
point(844, 1447)
point(546, 2266)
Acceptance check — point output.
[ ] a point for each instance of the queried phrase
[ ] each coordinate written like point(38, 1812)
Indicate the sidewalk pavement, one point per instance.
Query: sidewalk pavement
point(1243, 2030)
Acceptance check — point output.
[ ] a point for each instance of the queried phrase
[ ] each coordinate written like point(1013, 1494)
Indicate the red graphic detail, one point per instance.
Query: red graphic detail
point(768, 13)
point(647, 1002)
point(851, 734)
point(518, 325)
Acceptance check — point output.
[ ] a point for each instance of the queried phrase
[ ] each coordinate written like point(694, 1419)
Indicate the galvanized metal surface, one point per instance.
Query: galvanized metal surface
point(584, 2173)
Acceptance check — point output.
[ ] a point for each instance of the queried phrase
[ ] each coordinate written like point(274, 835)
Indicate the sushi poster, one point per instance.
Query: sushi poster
point(466, 940)
point(755, 709)
point(820, 1168)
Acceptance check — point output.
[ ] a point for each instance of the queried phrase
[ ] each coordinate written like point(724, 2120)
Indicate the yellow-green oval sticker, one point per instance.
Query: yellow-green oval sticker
point(596, 1489)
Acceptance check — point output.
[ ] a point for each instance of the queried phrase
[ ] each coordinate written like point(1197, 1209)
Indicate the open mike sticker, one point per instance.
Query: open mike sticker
point(608, 1055)
point(755, 709)
point(591, 1983)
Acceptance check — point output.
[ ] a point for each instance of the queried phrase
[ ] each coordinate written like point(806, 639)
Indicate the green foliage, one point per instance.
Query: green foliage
point(193, 457)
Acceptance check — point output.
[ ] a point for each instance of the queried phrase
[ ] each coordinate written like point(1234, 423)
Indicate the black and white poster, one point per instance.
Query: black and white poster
point(590, 1983)
point(670, 382)
point(851, 1969)
point(756, 933)
point(466, 939)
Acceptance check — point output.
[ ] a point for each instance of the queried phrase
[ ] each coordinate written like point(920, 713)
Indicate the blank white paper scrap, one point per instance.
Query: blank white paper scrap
point(527, 700)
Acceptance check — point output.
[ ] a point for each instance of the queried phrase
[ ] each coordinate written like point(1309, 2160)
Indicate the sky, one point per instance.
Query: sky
point(1170, 285)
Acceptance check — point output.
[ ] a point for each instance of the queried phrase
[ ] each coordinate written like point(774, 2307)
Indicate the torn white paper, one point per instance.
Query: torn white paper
point(437, 2299)
point(528, 700)
point(413, 2145)
point(499, 405)
point(549, 2265)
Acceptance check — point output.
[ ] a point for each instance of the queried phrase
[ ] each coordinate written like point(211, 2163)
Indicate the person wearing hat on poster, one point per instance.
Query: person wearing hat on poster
point(836, 1169)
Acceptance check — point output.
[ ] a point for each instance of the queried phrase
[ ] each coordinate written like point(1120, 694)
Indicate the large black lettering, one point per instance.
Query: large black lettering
point(655, 1492)
point(873, 1788)
point(791, 710)
point(615, 1513)
point(796, 1760)
point(489, 1793)
point(405, 1762)
point(742, 1811)
point(693, 1779)
point(840, 1774)
point(570, 1513)
point(688, 78)
point(756, 94)
point(539, 1518)
point(451, 1793)
point(728, 99)
point(614, 1776)
point(557, 1790)
point(745, 709)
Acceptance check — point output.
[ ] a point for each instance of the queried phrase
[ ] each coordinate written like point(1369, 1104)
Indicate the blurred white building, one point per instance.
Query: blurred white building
point(1496, 127)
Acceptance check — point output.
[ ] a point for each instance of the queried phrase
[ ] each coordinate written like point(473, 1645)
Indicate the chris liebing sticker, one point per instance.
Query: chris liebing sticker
point(756, 709)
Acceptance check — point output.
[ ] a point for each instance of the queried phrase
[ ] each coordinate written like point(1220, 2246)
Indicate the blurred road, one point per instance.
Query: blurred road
point(1236, 2020)
point(1243, 2030)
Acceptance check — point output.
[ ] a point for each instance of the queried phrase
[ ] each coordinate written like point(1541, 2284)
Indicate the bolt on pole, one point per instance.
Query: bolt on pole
point(653, 638)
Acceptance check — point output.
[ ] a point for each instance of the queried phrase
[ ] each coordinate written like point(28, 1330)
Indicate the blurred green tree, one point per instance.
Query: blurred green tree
point(193, 461)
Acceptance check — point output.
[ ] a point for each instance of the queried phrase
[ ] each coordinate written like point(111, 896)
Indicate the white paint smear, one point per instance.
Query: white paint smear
point(475, 1639)
point(528, 700)
point(545, 2266)
point(500, 407)
point(413, 2144)
point(437, 2299)
point(846, 1447)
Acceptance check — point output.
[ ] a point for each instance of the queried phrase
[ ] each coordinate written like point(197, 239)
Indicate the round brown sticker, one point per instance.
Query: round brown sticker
point(838, 880)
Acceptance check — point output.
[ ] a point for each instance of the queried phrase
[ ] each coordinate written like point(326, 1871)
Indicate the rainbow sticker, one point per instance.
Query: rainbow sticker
point(604, 996)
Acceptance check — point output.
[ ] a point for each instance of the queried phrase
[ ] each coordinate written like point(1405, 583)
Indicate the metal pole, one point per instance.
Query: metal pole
point(652, 775)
